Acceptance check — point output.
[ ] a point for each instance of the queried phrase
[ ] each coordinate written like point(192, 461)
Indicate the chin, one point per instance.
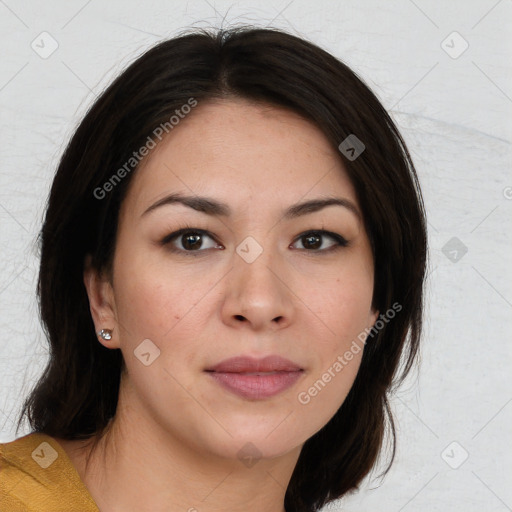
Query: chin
point(258, 436)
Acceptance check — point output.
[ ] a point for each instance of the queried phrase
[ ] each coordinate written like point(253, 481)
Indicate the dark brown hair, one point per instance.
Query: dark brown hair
point(78, 392)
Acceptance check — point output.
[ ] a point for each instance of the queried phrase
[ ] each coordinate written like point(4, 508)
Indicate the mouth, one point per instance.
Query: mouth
point(256, 379)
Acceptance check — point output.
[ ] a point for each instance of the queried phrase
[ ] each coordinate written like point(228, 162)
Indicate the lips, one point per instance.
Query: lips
point(253, 365)
point(256, 379)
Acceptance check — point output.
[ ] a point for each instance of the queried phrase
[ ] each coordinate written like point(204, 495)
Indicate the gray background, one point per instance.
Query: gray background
point(454, 109)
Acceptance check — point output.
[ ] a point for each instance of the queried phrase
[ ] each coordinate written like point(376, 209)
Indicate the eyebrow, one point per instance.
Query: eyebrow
point(213, 207)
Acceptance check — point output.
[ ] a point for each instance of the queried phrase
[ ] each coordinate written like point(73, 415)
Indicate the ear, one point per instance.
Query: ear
point(101, 303)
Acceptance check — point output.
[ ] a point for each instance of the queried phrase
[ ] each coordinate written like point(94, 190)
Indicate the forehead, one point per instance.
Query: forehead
point(240, 151)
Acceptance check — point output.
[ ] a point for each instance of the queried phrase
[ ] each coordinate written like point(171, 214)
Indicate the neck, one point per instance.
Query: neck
point(135, 455)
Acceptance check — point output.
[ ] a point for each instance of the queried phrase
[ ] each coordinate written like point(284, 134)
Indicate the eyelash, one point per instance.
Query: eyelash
point(341, 242)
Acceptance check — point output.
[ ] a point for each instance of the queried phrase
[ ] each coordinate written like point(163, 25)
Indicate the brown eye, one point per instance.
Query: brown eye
point(189, 240)
point(313, 241)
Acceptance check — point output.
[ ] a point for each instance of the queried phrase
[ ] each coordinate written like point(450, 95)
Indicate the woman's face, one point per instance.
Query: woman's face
point(246, 280)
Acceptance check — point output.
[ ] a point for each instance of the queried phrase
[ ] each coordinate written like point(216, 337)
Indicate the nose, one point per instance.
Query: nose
point(258, 293)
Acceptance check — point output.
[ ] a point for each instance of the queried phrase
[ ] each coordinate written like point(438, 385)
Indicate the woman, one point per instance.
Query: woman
point(232, 268)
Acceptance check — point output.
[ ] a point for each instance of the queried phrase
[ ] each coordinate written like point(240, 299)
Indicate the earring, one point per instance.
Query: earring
point(106, 334)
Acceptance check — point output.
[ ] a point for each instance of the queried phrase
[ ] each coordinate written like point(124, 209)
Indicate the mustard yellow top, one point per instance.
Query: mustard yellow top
point(36, 475)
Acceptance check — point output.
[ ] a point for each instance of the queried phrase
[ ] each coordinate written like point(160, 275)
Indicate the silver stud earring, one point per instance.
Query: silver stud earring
point(106, 334)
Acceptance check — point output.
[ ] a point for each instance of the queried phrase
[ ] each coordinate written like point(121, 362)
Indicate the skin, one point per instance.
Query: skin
point(177, 433)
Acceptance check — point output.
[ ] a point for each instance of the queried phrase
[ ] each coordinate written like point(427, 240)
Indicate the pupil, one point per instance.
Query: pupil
point(310, 241)
point(194, 241)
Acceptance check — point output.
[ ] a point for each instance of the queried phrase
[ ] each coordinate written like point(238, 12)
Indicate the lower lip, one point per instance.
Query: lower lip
point(256, 387)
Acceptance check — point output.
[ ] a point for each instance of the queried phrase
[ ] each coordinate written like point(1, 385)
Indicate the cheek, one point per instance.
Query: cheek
point(145, 305)
point(319, 398)
point(345, 311)
point(337, 356)
point(342, 303)
point(169, 306)
point(151, 296)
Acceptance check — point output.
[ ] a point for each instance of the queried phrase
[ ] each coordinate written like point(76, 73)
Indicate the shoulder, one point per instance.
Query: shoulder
point(36, 474)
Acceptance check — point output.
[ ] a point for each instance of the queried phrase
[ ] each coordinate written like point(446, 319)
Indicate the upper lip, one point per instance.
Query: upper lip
point(243, 364)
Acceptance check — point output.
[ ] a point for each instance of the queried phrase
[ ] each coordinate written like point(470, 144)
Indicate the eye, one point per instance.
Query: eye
point(312, 241)
point(189, 240)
